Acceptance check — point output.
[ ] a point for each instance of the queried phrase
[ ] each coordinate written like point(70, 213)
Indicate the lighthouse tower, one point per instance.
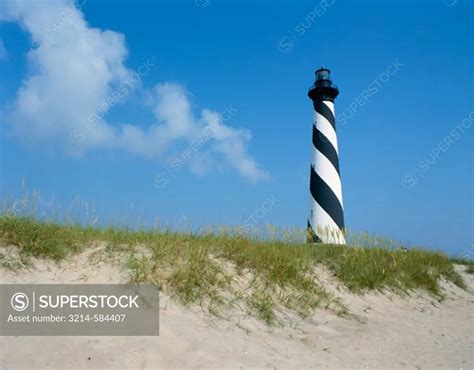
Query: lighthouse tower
point(326, 214)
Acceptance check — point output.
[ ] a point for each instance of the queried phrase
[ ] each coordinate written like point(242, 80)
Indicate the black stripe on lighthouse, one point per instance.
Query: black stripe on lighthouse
point(325, 197)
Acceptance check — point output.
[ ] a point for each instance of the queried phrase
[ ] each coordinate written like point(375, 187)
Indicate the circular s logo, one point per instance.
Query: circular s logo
point(19, 301)
point(285, 44)
point(409, 180)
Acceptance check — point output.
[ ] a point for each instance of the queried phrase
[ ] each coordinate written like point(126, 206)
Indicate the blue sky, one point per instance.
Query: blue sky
point(406, 152)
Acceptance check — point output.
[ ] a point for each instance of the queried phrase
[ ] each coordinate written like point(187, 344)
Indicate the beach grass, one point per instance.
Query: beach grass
point(217, 270)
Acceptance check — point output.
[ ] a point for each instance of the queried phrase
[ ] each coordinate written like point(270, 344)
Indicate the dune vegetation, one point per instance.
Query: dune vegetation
point(224, 270)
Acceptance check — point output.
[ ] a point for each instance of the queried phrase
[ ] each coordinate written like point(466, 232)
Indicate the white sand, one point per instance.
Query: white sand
point(388, 332)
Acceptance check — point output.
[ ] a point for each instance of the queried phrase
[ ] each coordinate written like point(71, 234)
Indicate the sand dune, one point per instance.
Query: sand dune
point(385, 331)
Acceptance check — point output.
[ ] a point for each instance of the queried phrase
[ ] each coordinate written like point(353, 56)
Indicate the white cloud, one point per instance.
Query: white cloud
point(3, 51)
point(232, 144)
point(78, 74)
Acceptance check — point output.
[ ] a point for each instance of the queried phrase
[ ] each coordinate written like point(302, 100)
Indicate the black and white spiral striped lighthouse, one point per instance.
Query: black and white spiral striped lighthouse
point(326, 214)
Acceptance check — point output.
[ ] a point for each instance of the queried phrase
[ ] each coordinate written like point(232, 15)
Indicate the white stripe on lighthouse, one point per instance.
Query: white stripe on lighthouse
point(330, 105)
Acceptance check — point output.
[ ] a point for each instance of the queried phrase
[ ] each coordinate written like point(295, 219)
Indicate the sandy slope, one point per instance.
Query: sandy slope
point(387, 332)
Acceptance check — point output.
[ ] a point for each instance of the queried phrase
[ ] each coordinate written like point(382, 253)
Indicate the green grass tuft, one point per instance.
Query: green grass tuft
point(379, 268)
point(43, 239)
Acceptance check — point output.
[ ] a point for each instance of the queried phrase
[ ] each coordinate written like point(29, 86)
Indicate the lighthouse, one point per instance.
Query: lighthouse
point(326, 213)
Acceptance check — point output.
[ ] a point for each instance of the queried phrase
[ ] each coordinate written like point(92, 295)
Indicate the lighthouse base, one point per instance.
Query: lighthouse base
point(325, 236)
point(311, 237)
